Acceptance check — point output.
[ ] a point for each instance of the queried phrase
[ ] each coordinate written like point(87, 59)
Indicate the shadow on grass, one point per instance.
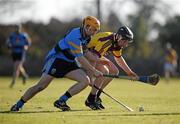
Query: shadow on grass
point(138, 114)
point(151, 114)
point(98, 113)
point(50, 111)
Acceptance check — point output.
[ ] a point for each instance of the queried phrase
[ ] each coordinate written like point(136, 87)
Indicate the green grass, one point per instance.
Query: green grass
point(161, 104)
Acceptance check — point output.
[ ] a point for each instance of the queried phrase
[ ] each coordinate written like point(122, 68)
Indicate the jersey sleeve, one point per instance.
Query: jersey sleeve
point(10, 38)
point(27, 39)
point(9, 41)
point(118, 53)
point(75, 47)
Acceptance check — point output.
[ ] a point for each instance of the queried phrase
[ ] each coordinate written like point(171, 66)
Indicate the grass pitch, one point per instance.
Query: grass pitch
point(161, 104)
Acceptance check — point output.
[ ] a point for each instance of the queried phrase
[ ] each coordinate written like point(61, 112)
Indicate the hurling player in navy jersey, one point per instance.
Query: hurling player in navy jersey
point(61, 62)
point(18, 42)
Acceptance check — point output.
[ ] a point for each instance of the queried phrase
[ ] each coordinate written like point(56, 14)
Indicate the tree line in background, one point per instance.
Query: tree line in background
point(145, 56)
point(142, 55)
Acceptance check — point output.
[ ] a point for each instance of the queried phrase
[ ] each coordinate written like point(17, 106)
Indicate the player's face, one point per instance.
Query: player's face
point(91, 30)
point(123, 43)
point(17, 29)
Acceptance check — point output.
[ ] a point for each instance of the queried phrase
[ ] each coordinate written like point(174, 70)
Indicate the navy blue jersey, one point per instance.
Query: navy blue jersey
point(17, 42)
point(69, 47)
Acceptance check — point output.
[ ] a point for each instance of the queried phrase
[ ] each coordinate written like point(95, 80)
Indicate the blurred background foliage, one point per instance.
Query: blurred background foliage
point(145, 55)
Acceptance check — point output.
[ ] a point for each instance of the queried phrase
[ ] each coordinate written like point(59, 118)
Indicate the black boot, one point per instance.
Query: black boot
point(99, 102)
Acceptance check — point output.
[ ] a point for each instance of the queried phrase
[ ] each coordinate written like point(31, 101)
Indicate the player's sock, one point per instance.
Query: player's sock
point(65, 97)
point(91, 97)
point(99, 93)
point(20, 103)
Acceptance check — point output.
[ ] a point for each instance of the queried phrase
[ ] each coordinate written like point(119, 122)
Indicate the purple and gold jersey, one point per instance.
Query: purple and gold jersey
point(171, 56)
point(102, 44)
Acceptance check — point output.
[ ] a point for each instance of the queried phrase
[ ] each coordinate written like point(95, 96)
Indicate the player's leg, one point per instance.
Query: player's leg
point(167, 72)
point(82, 82)
point(23, 73)
point(22, 69)
point(112, 69)
point(44, 81)
point(16, 71)
point(91, 99)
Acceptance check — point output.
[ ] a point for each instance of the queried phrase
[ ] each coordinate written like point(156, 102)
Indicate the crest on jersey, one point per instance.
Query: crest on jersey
point(53, 71)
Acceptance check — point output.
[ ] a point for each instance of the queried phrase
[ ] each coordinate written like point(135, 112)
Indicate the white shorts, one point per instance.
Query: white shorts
point(169, 67)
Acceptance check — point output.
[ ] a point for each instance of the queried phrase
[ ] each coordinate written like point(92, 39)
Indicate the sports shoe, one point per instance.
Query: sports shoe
point(61, 105)
point(15, 108)
point(99, 102)
point(92, 105)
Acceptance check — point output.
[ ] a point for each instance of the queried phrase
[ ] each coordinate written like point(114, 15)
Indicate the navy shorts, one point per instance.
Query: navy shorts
point(58, 67)
point(18, 56)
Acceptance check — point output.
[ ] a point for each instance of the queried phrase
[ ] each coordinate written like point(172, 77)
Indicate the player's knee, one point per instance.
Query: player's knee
point(105, 70)
point(86, 82)
point(115, 72)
